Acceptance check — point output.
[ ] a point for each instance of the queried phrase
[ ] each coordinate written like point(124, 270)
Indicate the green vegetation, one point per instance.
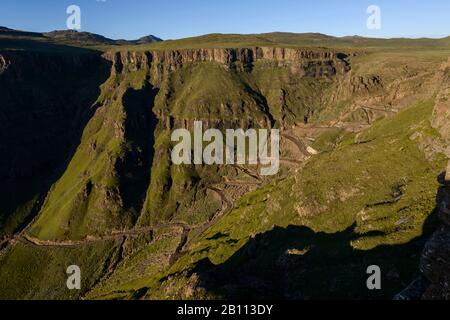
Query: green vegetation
point(366, 198)
point(293, 40)
point(386, 199)
point(40, 273)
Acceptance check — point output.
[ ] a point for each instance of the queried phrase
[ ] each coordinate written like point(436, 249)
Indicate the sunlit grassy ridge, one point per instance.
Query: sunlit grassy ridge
point(293, 40)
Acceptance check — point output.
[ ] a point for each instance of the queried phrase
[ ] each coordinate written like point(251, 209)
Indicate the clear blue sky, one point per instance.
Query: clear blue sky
point(171, 19)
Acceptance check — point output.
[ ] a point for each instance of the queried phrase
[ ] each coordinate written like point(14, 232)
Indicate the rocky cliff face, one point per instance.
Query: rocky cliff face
point(435, 262)
point(299, 65)
point(441, 116)
point(434, 283)
point(305, 62)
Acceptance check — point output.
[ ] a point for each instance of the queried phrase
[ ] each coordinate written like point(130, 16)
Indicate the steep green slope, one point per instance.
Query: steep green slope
point(31, 272)
point(46, 100)
point(94, 180)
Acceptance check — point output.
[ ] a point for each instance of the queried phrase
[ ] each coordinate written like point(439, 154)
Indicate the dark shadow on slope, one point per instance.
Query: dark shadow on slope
point(46, 99)
point(298, 263)
point(261, 101)
point(135, 167)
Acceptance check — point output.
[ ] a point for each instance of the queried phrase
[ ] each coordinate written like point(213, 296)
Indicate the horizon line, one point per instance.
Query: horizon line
point(398, 37)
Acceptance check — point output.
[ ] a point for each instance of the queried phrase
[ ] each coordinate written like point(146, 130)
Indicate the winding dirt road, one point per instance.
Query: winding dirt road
point(115, 235)
point(300, 145)
point(227, 206)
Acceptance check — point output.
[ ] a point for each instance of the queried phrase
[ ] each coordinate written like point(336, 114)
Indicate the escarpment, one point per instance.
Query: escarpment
point(282, 98)
point(304, 62)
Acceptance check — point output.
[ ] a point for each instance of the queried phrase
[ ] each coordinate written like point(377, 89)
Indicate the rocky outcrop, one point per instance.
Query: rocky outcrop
point(357, 85)
point(434, 283)
point(441, 115)
point(435, 265)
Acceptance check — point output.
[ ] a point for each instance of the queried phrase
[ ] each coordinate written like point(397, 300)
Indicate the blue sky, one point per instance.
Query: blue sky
point(171, 19)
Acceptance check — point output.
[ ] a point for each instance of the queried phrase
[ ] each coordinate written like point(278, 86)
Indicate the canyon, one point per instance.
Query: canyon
point(87, 176)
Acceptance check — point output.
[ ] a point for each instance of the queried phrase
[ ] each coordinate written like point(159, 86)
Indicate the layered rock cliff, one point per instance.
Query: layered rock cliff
point(304, 62)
